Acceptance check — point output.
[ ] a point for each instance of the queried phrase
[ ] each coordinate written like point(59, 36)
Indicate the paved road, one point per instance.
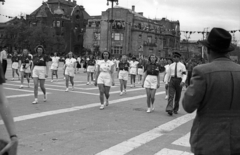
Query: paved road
point(70, 123)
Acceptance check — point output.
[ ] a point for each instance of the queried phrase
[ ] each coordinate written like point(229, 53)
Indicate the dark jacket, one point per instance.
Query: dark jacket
point(215, 93)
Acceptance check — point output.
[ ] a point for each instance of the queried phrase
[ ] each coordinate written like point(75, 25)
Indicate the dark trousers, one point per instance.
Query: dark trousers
point(189, 76)
point(4, 66)
point(174, 90)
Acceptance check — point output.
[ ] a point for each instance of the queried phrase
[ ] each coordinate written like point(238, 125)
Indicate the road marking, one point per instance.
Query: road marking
point(172, 152)
point(135, 142)
point(61, 111)
point(183, 141)
point(24, 95)
point(129, 90)
point(61, 90)
point(17, 89)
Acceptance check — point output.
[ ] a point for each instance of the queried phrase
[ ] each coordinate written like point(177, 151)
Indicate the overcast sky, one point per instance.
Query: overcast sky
point(194, 15)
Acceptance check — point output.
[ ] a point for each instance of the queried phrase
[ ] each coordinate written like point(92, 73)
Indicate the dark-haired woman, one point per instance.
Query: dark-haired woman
point(15, 65)
point(54, 66)
point(25, 63)
point(123, 74)
point(133, 71)
point(104, 78)
point(90, 69)
point(39, 72)
point(151, 81)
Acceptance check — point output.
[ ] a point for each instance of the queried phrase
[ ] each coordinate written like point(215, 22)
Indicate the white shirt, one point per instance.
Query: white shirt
point(105, 66)
point(181, 71)
point(3, 55)
point(70, 62)
point(55, 59)
point(133, 64)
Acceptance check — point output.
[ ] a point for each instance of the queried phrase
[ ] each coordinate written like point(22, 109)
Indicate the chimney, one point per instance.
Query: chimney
point(133, 8)
point(140, 13)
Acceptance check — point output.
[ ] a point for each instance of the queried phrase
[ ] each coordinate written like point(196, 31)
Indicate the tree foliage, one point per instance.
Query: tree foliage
point(22, 36)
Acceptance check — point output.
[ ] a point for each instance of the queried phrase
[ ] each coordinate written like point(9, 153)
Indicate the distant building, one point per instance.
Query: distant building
point(190, 48)
point(132, 33)
point(67, 17)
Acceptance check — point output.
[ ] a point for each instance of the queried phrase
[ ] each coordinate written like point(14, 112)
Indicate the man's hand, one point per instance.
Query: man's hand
point(11, 147)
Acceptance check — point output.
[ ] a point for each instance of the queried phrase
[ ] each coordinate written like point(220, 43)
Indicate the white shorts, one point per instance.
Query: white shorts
point(123, 75)
point(140, 71)
point(105, 79)
point(39, 72)
point(133, 71)
point(91, 69)
point(150, 82)
point(69, 71)
point(27, 70)
point(54, 66)
point(15, 65)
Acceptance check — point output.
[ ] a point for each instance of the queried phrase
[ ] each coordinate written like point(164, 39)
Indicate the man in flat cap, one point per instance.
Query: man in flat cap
point(177, 75)
point(215, 93)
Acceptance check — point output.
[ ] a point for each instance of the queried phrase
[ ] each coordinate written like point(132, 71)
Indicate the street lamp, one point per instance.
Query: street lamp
point(111, 22)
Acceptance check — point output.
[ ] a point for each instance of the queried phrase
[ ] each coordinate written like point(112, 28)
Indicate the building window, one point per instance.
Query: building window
point(97, 36)
point(117, 36)
point(149, 39)
point(118, 25)
point(150, 50)
point(117, 50)
point(58, 24)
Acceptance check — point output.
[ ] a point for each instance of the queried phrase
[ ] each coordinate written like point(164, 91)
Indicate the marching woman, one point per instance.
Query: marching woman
point(25, 67)
point(90, 69)
point(140, 72)
point(133, 71)
point(39, 72)
point(151, 81)
point(104, 78)
point(15, 65)
point(54, 66)
point(123, 74)
point(70, 70)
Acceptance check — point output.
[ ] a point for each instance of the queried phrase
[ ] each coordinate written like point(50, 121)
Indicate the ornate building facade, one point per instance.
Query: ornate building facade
point(68, 18)
point(131, 32)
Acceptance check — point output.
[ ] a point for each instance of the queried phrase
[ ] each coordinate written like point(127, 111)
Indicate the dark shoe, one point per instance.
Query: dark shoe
point(175, 112)
point(170, 113)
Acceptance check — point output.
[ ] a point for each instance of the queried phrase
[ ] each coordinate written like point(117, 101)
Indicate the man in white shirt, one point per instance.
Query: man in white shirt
point(177, 75)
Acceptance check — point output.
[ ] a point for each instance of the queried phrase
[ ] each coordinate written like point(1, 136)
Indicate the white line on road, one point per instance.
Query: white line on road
point(61, 111)
point(135, 142)
point(183, 141)
point(172, 152)
point(61, 90)
point(24, 95)
point(17, 89)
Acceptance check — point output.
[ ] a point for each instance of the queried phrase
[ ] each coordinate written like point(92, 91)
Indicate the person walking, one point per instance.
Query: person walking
point(105, 78)
point(214, 94)
point(133, 71)
point(39, 72)
point(3, 60)
point(70, 70)
point(6, 115)
point(25, 62)
point(15, 65)
point(90, 69)
point(140, 71)
point(151, 81)
point(123, 74)
point(177, 75)
point(55, 65)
